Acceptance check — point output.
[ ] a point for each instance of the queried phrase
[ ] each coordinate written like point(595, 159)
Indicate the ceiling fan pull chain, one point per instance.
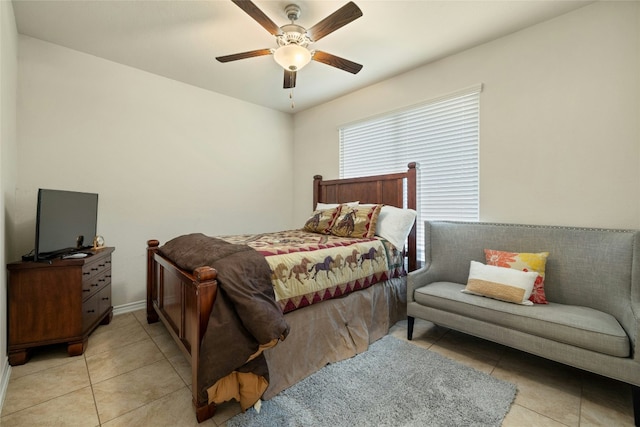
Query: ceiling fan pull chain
point(293, 104)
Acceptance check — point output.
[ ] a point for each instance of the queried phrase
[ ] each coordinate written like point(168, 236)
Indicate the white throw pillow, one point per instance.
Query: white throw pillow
point(394, 224)
point(504, 284)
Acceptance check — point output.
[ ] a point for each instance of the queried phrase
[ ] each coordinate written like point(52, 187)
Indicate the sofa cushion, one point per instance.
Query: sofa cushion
point(574, 325)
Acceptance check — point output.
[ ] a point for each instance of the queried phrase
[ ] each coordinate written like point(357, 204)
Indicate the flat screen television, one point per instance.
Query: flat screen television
point(66, 222)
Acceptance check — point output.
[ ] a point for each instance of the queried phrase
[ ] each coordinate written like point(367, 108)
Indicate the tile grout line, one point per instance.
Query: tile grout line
point(93, 395)
point(91, 383)
point(165, 359)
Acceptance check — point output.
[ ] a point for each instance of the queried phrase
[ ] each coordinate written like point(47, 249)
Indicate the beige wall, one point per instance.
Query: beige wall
point(87, 124)
point(8, 160)
point(559, 134)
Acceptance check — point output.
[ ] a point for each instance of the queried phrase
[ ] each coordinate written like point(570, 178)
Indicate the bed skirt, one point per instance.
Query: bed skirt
point(334, 330)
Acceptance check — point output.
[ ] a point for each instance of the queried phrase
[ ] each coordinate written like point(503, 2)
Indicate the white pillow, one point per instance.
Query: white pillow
point(322, 206)
point(394, 224)
point(504, 284)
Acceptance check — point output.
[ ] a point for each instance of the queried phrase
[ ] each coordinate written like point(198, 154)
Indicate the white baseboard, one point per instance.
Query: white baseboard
point(129, 307)
point(4, 381)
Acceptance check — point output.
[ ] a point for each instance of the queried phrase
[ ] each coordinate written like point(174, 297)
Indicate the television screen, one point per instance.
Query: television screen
point(66, 222)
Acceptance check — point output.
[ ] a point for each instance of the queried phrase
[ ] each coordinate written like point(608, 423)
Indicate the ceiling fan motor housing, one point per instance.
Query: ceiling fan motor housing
point(293, 33)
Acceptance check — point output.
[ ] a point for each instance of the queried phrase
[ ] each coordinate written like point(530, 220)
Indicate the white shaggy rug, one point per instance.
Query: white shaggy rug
point(394, 383)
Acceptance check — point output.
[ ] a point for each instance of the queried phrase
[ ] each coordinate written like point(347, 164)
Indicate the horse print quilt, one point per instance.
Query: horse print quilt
point(307, 268)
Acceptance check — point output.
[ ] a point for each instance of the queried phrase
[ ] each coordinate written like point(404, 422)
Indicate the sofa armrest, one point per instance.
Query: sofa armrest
point(635, 339)
point(417, 279)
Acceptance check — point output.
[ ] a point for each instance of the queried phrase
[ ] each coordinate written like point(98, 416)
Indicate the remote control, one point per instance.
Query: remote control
point(77, 255)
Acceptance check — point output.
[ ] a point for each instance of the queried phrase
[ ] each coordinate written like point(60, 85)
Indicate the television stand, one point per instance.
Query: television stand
point(61, 301)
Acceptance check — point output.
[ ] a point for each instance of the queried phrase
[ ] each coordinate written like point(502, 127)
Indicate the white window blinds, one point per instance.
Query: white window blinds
point(442, 136)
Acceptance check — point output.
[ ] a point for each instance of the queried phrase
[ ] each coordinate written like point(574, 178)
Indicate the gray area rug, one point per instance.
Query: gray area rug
point(394, 383)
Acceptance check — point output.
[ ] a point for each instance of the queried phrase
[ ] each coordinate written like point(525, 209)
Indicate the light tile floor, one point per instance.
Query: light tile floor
point(133, 374)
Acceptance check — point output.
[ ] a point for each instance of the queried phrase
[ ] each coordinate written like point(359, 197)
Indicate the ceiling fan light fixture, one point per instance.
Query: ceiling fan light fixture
point(292, 57)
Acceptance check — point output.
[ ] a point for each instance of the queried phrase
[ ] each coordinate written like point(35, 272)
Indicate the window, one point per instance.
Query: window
point(442, 136)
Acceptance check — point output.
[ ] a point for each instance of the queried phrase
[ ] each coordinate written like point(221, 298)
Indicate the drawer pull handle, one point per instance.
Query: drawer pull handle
point(91, 311)
point(94, 284)
point(94, 269)
point(105, 299)
point(100, 265)
point(86, 273)
point(86, 290)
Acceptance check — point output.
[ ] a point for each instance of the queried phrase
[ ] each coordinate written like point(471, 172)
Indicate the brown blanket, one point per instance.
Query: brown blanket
point(245, 316)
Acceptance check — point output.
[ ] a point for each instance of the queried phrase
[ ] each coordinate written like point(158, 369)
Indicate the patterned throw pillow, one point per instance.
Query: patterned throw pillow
point(322, 220)
point(356, 221)
point(525, 262)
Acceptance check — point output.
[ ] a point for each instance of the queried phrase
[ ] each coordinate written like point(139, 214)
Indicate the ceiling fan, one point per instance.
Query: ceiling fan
point(293, 41)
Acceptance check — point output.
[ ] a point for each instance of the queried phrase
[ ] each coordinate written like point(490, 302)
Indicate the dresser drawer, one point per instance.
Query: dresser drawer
point(89, 311)
point(91, 286)
point(104, 299)
point(96, 306)
point(95, 268)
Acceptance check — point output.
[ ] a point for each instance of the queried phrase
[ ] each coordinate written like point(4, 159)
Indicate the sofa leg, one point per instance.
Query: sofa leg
point(635, 395)
point(410, 321)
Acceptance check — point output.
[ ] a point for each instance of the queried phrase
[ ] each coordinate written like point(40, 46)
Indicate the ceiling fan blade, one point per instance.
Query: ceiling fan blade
point(289, 79)
point(253, 11)
point(244, 55)
point(336, 61)
point(338, 19)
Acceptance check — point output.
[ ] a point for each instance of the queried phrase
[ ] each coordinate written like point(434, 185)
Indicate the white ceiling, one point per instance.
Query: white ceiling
point(180, 39)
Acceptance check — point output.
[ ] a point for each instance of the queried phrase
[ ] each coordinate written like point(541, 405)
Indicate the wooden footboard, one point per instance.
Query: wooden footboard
point(183, 302)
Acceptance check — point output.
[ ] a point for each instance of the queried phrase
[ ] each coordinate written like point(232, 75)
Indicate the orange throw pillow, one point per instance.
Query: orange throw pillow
point(524, 262)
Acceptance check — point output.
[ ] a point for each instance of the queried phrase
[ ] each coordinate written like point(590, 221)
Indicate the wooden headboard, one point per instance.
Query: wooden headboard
point(386, 189)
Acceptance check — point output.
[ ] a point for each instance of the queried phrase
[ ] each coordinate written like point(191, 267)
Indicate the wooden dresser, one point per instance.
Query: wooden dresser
point(61, 301)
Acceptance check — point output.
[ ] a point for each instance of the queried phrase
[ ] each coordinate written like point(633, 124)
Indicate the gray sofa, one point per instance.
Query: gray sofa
point(592, 283)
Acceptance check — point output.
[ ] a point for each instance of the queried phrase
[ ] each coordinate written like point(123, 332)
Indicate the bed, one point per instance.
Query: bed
point(321, 331)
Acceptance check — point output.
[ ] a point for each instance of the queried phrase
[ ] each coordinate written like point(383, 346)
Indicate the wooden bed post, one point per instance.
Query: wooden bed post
point(152, 248)
point(412, 203)
point(197, 293)
point(206, 288)
point(317, 179)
